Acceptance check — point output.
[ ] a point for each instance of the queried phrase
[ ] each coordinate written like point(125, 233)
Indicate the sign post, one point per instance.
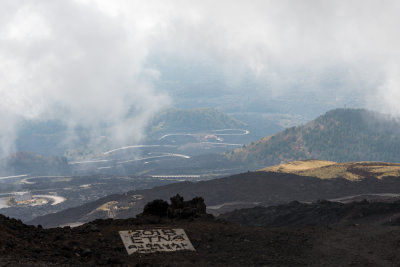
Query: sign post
point(155, 240)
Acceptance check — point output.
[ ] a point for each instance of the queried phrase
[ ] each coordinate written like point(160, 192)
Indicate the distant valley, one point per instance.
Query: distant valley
point(198, 152)
point(180, 139)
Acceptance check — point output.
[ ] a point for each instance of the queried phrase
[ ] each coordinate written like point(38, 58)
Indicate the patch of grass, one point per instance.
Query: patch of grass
point(299, 165)
point(329, 169)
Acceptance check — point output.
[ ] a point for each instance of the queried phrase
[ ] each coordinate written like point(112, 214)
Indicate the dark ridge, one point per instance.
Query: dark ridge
point(296, 214)
point(264, 188)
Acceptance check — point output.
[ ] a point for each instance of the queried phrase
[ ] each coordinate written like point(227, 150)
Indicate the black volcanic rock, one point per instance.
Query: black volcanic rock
point(156, 207)
point(178, 209)
point(217, 243)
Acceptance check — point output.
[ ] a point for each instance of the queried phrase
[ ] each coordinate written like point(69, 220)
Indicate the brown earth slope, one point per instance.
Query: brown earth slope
point(352, 171)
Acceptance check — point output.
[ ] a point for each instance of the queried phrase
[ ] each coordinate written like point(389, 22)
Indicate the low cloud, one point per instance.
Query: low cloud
point(85, 62)
point(71, 61)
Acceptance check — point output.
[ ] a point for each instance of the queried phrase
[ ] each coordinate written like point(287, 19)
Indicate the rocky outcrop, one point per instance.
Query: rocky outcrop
point(178, 209)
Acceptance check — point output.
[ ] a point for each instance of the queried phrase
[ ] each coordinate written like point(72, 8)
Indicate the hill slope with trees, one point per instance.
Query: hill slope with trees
point(193, 120)
point(339, 135)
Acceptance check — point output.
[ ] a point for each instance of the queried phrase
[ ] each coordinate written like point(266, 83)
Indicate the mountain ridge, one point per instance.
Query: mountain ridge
point(340, 135)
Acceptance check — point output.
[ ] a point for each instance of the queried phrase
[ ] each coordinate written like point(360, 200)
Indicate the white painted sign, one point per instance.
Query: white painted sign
point(155, 240)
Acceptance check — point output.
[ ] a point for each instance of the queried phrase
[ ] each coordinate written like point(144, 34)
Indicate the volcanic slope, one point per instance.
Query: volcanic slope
point(340, 135)
point(216, 242)
point(385, 211)
point(249, 189)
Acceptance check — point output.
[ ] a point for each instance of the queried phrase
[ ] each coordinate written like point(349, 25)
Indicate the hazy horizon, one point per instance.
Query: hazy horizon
point(96, 63)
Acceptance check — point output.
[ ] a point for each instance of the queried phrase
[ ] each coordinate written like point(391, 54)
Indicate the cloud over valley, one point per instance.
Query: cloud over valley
point(87, 62)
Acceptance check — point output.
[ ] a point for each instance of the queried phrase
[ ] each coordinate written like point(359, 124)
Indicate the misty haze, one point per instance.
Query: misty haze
point(214, 133)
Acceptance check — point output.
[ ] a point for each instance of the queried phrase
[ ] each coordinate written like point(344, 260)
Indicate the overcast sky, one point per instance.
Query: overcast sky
point(85, 61)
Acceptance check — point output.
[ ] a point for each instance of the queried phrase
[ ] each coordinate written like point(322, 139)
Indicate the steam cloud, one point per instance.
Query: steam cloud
point(84, 62)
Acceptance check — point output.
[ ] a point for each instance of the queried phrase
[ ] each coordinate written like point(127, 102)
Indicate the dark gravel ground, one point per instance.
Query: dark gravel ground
point(296, 214)
point(217, 243)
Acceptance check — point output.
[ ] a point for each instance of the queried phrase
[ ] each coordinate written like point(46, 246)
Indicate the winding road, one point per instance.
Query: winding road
point(12, 177)
point(89, 161)
point(135, 146)
point(220, 132)
point(154, 157)
point(243, 132)
point(340, 199)
point(216, 132)
point(220, 144)
point(26, 180)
